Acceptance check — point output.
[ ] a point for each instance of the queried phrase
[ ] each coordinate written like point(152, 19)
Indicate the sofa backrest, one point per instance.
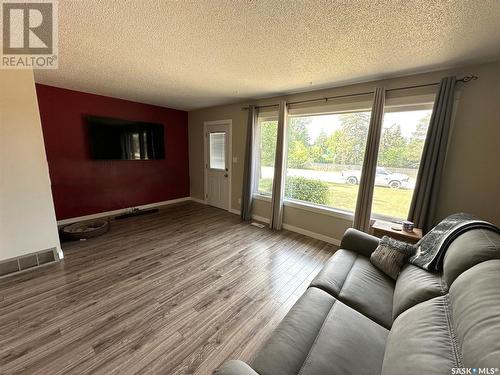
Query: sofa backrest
point(471, 248)
point(475, 314)
point(415, 285)
point(459, 327)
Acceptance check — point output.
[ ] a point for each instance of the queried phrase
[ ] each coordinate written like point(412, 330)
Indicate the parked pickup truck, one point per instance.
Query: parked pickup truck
point(383, 177)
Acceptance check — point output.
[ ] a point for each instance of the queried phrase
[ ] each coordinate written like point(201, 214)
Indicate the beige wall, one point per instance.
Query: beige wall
point(471, 179)
point(27, 217)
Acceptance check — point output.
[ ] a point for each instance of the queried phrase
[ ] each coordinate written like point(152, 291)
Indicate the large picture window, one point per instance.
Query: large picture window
point(324, 158)
point(401, 145)
point(325, 154)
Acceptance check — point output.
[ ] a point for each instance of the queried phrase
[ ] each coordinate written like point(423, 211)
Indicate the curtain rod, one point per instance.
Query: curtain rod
point(327, 98)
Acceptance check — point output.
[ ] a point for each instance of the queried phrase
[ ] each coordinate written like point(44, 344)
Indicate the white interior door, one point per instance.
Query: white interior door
point(217, 165)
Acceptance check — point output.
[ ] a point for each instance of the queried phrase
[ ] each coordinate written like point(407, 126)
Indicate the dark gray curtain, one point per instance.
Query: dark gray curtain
point(248, 168)
point(425, 196)
point(279, 170)
point(365, 194)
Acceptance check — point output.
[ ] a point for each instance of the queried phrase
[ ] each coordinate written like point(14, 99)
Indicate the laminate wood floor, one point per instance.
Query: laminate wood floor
point(176, 292)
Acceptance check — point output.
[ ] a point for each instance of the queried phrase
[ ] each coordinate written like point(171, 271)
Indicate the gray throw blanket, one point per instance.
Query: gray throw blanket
point(432, 247)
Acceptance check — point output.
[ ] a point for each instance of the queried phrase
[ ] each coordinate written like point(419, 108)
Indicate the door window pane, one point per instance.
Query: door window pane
point(218, 150)
point(265, 152)
point(324, 159)
point(401, 144)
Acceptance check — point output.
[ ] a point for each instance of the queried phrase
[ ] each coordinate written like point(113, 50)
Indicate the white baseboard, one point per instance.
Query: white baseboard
point(197, 200)
point(315, 235)
point(234, 211)
point(121, 211)
point(255, 217)
point(295, 229)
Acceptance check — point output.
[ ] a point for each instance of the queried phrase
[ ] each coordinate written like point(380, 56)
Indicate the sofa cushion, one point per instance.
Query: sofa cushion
point(351, 278)
point(421, 341)
point(287, 349)
point(321, 335)
point(391, 255)
point(415, 285)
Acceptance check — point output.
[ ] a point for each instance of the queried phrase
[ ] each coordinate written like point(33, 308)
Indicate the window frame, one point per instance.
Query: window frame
point(225, 168)
point(315, 207)
point(391, 109)
point(256, 148)
point(406, 103)
point(294, 203)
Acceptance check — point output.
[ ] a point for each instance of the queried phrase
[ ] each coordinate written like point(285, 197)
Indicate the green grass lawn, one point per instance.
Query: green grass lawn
point(386, 201)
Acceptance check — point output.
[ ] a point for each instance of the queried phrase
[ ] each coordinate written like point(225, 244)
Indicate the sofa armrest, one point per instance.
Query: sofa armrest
point(235, 367)
point(359, 242)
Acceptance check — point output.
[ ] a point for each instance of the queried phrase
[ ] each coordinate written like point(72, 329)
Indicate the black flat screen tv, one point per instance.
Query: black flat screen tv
point(116, 139)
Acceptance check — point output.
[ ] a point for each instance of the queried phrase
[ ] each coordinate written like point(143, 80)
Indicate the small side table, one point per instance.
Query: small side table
point(384, 228)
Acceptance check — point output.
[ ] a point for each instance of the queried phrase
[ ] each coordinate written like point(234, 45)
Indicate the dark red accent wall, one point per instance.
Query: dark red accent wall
point(82, 186)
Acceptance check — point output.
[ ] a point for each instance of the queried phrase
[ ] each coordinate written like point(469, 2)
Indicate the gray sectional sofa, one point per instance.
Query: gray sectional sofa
point(353, 319)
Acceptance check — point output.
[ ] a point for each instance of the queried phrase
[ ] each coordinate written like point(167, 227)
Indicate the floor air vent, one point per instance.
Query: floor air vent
point(26, 262)
point(258, 225)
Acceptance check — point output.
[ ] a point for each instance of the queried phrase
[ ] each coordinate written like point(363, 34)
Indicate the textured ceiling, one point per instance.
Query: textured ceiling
point(192, 54)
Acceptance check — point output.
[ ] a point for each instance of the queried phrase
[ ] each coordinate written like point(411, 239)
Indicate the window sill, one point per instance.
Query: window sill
point(262, 197)
point(309, 207)
point(387, 219)
point(319, 209)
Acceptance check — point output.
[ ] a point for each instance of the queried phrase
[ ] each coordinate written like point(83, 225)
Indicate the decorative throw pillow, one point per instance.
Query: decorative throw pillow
point(390, 256)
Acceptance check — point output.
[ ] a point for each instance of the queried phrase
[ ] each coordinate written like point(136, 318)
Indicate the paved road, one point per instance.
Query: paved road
point(268, 172)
